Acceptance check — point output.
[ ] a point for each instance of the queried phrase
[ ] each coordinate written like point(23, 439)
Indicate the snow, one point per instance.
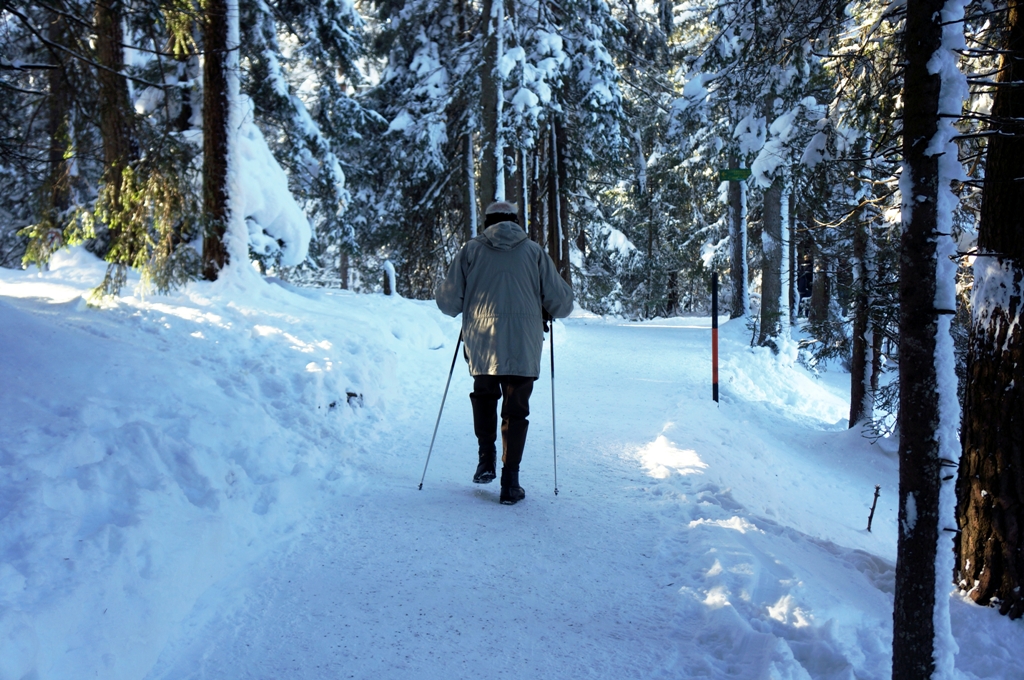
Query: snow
point(774, 153)
point(275, 222)
point(222, 482)
point(952, 93)
point(995, 281)
point(750, 133)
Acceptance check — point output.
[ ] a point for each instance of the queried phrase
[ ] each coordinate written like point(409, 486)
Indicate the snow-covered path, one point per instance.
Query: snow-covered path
point(396, 583)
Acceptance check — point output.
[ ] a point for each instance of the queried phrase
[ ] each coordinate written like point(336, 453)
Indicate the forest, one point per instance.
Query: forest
point(848, 170)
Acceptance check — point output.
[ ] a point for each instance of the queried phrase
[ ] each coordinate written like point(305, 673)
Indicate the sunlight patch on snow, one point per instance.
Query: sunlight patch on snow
point(44, 290)
point(736, 523)
point(785, 611)
point(302, 346)
point(189, 314)
point(717, 598)
point(661, 457)
point(314, 367)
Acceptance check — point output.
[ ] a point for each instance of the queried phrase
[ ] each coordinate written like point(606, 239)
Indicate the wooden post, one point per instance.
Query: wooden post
point(714, 336)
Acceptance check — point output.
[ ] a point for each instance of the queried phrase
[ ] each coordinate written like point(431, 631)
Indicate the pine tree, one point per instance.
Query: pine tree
point(990, 485)
point(928, 407)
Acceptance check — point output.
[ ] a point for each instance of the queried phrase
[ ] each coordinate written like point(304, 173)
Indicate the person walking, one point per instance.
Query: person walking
point(506, 288)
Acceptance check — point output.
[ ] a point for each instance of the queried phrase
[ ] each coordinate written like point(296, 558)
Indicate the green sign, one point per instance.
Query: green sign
point(733, 174)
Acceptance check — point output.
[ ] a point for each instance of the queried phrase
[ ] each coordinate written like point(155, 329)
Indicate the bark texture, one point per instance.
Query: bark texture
point(914, 599)
point(821, 288)
point(216, 116)
point(860, 363)
point(489, 93)
point(738, 239)
point(557, 199)
point(990, 484)
point(115, 124)
point(57, 195)
point(771, 270)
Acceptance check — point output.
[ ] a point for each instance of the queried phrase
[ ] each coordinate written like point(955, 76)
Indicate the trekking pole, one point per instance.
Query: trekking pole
point(554, 438)
point(443, 398)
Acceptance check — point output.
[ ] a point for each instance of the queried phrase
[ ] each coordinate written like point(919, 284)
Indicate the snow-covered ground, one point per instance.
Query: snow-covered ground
point(222, 483)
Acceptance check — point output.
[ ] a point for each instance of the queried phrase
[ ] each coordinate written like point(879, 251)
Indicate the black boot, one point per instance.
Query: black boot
point(485, 468)
point(511, 492)
point(484, 398)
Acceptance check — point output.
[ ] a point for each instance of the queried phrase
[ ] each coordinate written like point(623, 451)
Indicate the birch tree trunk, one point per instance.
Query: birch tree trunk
point(990, 486)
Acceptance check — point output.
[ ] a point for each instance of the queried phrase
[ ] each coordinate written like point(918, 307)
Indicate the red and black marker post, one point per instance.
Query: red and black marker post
point(714, 336)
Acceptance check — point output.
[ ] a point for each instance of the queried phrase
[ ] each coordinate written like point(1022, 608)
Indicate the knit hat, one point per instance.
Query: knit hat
point(503, 207)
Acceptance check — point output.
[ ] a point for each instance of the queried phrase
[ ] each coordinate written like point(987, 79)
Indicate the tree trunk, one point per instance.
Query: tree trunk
point(673, 293)
point(554, 234)
point(738, 238)
point(665, 18)
point(471, 208)
point(821, 290)
point(523, 184)
point(561, 142)
point(537, 213)
point(990, 486)
point(57, 195)
point(216, 117)
point(490, 86)
point(771, 271)
point(920, 468)
point(860, 364)
point(794, 296)
point(118, 142)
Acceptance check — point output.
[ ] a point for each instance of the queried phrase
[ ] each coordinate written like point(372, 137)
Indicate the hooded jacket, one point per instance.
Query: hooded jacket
point(500, 281)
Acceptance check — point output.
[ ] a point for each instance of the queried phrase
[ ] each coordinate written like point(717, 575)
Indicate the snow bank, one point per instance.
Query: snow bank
point(152, 447)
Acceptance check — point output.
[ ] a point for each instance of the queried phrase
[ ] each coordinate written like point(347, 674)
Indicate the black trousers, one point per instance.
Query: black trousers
point(514, 392)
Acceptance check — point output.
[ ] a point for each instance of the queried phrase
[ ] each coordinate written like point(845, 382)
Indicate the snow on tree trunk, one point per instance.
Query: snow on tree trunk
point(923, 645)
point(771, 270)
point(990, 487)
point(738, 239)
